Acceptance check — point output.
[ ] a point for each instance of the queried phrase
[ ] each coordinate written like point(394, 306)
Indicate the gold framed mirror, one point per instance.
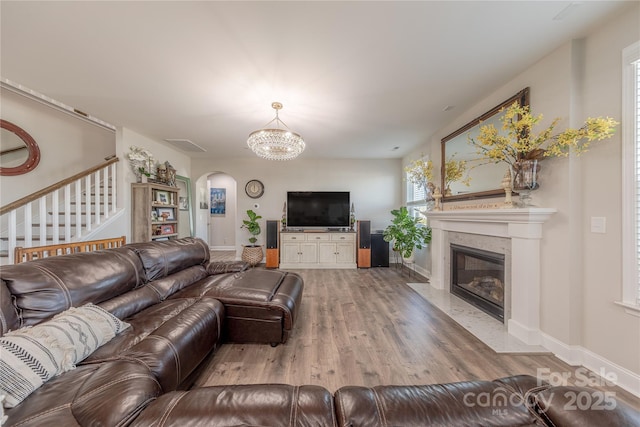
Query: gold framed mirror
point(485, 177)
point(19, 152)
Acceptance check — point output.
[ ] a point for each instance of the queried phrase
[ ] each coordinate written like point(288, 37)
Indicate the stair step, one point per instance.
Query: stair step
point(34, 238)
point(72, 213)
point(85, 203)
point(60, 224)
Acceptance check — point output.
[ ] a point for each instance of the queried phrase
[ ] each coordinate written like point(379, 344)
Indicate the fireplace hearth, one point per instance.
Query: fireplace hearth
point(477, 276)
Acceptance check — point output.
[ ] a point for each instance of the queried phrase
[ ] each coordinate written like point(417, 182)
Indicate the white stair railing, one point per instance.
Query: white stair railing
point(64, 202)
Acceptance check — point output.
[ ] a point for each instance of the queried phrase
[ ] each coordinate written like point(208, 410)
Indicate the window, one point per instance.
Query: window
point(631, 175)
point(415, 196)
point(415, 192)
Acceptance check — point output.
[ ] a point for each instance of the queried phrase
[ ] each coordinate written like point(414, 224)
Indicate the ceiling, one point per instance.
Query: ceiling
point(357, 79)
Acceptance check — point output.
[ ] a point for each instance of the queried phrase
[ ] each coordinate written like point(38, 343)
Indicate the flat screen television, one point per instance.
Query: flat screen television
point(318, 209)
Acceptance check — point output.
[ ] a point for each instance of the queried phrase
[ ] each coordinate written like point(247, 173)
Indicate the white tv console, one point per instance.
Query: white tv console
point(317, 249)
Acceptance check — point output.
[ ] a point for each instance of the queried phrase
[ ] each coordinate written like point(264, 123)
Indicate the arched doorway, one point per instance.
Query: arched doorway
point(217, 210)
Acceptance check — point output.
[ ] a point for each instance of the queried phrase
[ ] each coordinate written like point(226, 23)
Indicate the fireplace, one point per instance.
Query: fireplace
point(477, 276)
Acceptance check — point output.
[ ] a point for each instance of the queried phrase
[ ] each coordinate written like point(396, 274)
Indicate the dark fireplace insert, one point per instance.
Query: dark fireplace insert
point(477, 276)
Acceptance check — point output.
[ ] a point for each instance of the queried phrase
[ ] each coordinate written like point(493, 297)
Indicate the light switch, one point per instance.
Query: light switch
point(598, 224)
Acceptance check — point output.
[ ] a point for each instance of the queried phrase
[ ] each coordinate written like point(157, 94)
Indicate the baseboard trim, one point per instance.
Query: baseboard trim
point(526, 335)
point(576, 355)
point(222, 248)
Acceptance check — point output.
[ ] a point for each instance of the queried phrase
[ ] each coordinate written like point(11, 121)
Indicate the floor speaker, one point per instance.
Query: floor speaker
point(364, 244)
point(379, 251)
point(273, 238)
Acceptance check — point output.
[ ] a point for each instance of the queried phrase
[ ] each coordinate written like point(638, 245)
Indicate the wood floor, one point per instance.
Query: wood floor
point(367, 327)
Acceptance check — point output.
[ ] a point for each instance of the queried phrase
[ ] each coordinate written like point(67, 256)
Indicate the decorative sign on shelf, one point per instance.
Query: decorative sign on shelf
point(448, 207)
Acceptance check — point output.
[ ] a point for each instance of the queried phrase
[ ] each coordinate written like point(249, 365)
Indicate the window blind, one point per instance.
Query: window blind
point(415, 198)
point(417, 192)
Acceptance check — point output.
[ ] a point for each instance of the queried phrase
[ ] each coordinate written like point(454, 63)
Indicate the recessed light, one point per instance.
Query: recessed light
point(449, 108)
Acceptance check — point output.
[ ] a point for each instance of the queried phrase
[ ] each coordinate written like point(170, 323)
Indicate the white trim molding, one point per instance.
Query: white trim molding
point(630, 55)
point(576, 355)
point(50, 102)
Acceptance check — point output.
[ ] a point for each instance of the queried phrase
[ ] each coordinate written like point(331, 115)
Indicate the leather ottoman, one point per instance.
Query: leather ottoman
point(260, 305)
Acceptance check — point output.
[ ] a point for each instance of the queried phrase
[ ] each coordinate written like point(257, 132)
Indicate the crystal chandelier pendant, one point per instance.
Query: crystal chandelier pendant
point(276, 143)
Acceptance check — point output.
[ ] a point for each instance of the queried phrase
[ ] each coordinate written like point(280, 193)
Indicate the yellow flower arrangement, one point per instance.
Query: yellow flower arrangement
point(520, 143)
point(454, 170)
point(419, 172)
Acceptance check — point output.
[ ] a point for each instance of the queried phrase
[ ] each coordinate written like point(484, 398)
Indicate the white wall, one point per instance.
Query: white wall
point(601, 178)
point(581, 271)
point(68, 145)
point(375, 186)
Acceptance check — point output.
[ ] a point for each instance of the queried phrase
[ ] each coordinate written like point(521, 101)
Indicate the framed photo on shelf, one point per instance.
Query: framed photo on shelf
point(162, 197)
point(168, 229)
point(166, 213)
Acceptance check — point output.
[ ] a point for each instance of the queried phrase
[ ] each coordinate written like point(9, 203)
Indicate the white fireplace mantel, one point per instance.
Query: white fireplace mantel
point(524, 229)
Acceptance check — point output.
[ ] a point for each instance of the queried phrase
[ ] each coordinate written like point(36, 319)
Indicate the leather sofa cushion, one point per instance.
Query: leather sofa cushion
point(226, 267)
point(456, 404)
point(252, 285)
point(161, 259)
point(581, 407)
point(171, 338)
point(277, 290)
point(169, 285)
point(242, 405)
point(175, 349)
point(8, 315)
point(130, 303)
point(142, 324)
point(94, 395)
point(48, 286)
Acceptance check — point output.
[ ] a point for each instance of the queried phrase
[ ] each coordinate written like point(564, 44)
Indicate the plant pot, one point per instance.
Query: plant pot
point(252, 254)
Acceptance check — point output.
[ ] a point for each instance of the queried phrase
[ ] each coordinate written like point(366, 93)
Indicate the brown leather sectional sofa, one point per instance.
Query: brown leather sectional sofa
point(181, 308)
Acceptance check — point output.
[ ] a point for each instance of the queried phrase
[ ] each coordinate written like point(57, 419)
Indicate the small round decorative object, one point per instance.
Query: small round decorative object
point(254, 189)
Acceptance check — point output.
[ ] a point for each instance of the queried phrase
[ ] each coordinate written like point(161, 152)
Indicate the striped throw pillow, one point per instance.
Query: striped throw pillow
point(31, 356)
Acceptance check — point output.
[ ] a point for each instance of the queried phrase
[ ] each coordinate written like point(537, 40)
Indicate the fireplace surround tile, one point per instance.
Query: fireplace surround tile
point(484, 327)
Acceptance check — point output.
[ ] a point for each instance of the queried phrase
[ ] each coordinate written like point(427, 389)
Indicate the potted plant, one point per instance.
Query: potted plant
point(407, 233)
point(252, 254)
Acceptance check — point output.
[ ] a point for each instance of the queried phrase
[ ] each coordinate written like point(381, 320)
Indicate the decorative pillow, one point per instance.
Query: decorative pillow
point(33, 355)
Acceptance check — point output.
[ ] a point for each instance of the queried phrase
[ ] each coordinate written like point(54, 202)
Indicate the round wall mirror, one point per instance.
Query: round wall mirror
point(19, 152)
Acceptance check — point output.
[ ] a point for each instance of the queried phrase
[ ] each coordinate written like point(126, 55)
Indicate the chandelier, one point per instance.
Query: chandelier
point(276, 144)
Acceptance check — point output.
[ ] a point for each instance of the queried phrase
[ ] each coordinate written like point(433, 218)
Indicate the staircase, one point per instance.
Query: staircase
point(68, 211)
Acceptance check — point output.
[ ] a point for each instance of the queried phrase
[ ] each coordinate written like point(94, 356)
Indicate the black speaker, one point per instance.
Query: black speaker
point(272, 234)
point(379, 251)
point(364, 234)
